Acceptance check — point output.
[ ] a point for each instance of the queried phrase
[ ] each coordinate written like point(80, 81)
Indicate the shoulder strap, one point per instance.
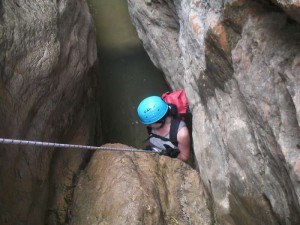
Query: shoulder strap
point(173, 130)
point(149, 130)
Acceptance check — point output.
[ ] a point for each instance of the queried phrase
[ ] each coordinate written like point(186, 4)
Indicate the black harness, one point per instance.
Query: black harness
point(173, 132)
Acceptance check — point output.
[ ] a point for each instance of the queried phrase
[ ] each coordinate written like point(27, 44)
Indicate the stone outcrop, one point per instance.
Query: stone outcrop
point(291, 7)
point(239, 62)
point(46, 51)
point(138, 188)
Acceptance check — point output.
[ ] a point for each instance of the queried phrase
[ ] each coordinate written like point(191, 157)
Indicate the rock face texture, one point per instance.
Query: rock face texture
point(47, 93)
point(239, 62)
point(138, 188)
point(46, 50)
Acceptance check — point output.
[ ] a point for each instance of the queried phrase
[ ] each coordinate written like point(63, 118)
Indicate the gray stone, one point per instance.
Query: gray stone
point(46, 51)
point(239, 64)
point(291, 7)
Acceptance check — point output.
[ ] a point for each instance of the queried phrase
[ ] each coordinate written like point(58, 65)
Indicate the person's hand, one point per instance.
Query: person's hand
point(169, 151)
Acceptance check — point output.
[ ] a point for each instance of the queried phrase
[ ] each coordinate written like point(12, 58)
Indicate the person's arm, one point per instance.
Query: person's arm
point(184, 145)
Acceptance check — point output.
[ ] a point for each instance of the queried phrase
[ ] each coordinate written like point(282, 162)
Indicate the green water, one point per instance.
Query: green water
point(126, 73)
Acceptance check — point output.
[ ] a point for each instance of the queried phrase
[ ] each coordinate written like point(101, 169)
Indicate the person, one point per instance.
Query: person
point(160, 117)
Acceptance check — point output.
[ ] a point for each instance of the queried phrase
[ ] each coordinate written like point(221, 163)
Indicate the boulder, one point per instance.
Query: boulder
point(138, 188)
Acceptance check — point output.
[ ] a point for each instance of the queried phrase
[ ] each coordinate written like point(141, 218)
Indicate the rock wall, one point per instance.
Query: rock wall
point(239, 62)
point(139, 188)
point(46, 51)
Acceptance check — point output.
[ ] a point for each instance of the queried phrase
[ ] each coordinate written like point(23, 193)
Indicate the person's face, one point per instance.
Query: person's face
point(155, 125)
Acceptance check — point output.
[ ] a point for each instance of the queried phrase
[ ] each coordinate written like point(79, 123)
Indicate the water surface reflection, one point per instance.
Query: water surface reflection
point(126, 73)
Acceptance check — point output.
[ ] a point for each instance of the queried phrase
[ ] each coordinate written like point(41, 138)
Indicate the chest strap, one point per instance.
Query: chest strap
point(172, 134)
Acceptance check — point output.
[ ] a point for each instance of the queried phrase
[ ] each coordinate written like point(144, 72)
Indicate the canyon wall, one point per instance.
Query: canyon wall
point(46, 51)
point(49, 91)
point(239, 63)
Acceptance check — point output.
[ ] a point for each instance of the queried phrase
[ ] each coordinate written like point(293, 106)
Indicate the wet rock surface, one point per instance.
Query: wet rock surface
point(239, 63)
point(138, 188)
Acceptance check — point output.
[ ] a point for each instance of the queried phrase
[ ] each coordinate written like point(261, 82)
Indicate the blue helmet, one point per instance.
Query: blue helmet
point(152, 109)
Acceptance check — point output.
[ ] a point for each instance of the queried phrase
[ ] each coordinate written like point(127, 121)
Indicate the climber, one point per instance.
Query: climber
point(168, 134)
